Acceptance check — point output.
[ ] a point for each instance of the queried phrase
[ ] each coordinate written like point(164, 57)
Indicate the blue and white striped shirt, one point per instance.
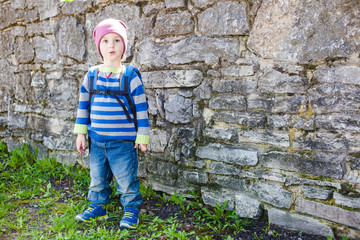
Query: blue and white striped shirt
point(107, 117)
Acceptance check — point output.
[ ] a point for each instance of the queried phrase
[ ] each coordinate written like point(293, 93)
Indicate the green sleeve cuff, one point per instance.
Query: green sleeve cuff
point(79, 128)
point(142, 139)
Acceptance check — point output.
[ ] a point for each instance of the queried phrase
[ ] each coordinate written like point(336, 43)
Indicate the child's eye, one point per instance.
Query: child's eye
point(105, 41)
point(117, 40)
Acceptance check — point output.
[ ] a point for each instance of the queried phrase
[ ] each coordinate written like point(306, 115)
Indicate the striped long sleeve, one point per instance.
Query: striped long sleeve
point(107, 117)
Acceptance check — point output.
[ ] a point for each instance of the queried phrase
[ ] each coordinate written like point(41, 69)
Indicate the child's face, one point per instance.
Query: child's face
point(111, 47)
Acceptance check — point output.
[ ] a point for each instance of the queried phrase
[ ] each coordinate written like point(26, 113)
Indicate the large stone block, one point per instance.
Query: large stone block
point(338, 74)
point(276, 82)
point(243, 85)
point(30, 16)
point(48, 8)
point(221, 168)
point(63, 143)
point(310, 164)
point(4, 101)
point(274, 138)
point(8, 16)
point(328, 142)
point(18, 31)
point(18, 4)
point(159, 140)
point(45, 27)
point(38, 80)
point(331, 213)
point(172, 78)
point(334, 98)
point(222, 132)
point(21, 86)
point(152, 8)
point(260, 101)
point(352, 202)
point(353, 139)
point(218, 196)
point(162, 168)
point(202, 3)
point(228, 102)
point(233, 183)
point(203, 49)
point(339, 121)
point(178, 23)
point(151, 53)
point(166, 188)
point(298, 222)
point(142, 170)
point(247, 207)
point(175, 3)
point(288, 104)
point(24, 51)
point(63, 94)
point(203, 91)
point(315, 192)
point(238, 71)
point(75, 7)
point(298, 181)
point(51, 125)
point(16, 120)
point(23, 108)
point(224, 18)
point(298, 31)
point(193, 176)
point(227, 154)
point(251, 120)
point(71, 38)
point(271, 193)
point(44, 50)
point(6, 44)
point(178, 109)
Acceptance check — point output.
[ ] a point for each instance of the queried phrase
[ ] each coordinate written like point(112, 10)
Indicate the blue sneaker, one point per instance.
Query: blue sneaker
point(93, 212)
point(130, 218)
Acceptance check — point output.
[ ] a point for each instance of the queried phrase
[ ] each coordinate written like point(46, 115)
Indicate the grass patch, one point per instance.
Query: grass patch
point(39, 199)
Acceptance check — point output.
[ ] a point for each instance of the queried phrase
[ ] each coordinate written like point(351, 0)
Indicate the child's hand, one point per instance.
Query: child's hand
point(143, 147)
point(80, 143)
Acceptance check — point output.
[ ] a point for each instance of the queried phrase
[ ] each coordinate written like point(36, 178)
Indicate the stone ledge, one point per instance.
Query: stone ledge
point(298, 222)
point(331, 213)
point(227, 154)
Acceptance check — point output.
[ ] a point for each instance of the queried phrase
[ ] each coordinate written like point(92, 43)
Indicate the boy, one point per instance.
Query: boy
point(111, 126)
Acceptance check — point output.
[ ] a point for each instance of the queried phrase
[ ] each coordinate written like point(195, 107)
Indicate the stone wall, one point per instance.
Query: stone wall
point(252, 101)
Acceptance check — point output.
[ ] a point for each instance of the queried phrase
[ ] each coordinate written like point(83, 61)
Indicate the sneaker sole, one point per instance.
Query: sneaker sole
point(79, 218)
point(127, 226)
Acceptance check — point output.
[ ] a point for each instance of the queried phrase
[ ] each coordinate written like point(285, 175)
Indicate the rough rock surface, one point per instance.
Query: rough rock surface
point(256, 102)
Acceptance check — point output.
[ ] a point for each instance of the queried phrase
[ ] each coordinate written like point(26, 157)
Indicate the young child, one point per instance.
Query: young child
point(111, 127)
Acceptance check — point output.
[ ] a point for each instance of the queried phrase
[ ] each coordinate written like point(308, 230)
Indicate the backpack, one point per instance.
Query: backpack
point(124, 91)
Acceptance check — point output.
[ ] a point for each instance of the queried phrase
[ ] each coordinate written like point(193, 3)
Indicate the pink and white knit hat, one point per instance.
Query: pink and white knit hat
point(110, 26)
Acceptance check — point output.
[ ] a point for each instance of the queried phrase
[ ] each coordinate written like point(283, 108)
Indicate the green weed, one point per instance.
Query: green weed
point(22, 155)
point(39, 199)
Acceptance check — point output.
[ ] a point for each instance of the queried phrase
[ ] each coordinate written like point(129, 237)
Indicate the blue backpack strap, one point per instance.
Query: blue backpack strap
point(93, 74)
point(125, 86)
point(92, 83)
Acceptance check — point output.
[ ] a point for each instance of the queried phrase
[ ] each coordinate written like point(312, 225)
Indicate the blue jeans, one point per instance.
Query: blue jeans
point(114, 158)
